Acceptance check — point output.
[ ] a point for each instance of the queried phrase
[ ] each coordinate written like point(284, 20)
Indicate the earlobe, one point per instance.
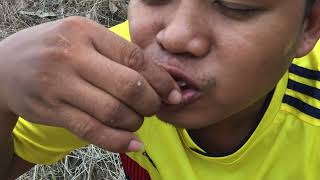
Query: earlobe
point(311, 31)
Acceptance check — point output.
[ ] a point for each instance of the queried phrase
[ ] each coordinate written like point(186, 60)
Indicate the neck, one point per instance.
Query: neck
point(230, 134)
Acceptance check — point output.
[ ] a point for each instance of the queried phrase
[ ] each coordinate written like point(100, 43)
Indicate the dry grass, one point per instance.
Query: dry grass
point(19, 14)
point(86, 163)
point(89, 162)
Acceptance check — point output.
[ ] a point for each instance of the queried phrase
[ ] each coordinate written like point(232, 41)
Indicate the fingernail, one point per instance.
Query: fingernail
point(174, 97)
point(135, 146)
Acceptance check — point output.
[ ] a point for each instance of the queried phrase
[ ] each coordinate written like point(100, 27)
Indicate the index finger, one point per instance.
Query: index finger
point(128, 54)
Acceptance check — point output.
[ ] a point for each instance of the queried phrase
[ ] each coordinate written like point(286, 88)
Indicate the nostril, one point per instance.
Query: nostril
point(161, 46)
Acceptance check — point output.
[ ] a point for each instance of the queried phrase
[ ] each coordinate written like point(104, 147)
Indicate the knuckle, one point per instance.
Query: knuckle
point(74, 22)
point(110, 112)
point(45, 82)
point(61, 46)
point(85, 129)
point(115, 108)
point(134, 59)
point(54, 105)
point(67, 38)
point(48, 87)
point(119, 116)
point(59, 52)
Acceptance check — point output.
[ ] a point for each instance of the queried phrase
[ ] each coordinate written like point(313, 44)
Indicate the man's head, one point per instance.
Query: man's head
point(231, 53)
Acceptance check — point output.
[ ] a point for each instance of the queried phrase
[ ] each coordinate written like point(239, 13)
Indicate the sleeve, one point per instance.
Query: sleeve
point(42, 144)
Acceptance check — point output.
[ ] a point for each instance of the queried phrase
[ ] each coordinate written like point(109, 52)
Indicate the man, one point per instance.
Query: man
point(216, 70)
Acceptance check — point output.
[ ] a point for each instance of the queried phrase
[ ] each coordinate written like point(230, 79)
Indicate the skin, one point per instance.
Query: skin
point(197, 37)
point(236, 58)
point(78, 80)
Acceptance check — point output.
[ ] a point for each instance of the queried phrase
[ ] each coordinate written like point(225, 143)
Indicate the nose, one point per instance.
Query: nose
point(185, 33)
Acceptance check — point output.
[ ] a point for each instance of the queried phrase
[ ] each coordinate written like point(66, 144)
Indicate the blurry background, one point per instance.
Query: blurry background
point(89, 162)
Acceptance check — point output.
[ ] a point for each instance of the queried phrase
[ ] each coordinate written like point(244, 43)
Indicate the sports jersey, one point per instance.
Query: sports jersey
point(285, 144)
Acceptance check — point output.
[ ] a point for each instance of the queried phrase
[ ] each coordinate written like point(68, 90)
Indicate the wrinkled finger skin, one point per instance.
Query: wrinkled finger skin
point(73, 73)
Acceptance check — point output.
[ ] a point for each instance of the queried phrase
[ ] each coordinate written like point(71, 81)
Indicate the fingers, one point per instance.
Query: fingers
point(162, 81)
point(102, 106)
point(123, 52)
point(121, 82)
point(90, 129)
point(82, 124)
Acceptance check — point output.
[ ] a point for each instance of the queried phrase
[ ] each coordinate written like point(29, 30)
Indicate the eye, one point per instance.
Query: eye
point(155, 2)
point(235, 10)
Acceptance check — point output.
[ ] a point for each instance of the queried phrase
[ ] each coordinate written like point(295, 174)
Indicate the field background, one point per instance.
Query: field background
point(88, 162)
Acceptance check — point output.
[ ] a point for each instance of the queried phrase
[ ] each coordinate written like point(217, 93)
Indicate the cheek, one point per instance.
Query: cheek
point(257, 63)
point(143, 22)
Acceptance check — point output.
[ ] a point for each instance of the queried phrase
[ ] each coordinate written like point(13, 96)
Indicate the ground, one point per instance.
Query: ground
point(89, 162)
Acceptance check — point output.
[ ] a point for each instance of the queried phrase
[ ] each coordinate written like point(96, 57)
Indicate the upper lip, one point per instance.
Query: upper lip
point(179, 75)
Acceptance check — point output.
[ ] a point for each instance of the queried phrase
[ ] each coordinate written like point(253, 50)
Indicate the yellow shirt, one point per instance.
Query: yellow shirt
point(285, 145)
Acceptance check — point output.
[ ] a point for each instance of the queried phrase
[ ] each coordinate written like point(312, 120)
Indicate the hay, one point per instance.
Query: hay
point(89, 162)
point(19, 14)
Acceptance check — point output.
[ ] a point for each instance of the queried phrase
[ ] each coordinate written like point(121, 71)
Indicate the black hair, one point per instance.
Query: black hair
point(309, 5)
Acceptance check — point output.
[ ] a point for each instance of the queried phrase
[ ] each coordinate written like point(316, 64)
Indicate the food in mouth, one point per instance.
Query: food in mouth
point(189, 92)
point(189, 88)
point(182, 84)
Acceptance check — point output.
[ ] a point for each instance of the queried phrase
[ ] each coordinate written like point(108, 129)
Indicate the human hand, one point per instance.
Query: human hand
point(75, 74)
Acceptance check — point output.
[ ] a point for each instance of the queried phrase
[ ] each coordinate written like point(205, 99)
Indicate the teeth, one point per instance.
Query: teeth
point(181, 83)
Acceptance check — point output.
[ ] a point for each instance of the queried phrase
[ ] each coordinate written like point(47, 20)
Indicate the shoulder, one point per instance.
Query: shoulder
point(40, 144)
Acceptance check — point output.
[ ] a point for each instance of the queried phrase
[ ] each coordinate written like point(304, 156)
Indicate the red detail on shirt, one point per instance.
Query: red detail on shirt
point(132, 169)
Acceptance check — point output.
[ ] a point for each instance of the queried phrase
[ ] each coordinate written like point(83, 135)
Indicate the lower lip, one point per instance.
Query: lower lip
point(189, 96)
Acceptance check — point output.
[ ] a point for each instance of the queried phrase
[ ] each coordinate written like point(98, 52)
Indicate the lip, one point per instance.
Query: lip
point(187, 99)
point(189, 95)
point(179, 74)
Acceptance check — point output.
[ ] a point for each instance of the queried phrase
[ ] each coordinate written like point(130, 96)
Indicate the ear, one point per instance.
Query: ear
point(311, 31)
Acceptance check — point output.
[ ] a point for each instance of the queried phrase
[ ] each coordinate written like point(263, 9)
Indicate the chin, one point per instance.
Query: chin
point(183, 120)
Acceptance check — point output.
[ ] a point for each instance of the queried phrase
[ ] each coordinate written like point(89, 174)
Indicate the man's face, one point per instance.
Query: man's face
point(230, 53)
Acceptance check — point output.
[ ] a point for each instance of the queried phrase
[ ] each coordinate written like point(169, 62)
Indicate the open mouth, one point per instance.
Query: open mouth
point(189, 89)
point(183, 84)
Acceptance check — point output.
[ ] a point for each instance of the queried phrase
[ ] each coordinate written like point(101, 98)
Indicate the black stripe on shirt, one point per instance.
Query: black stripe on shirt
point(304, 72)
point(304, 89)
point(302, 106)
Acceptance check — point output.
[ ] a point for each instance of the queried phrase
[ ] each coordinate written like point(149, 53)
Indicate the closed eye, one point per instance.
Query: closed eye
point(155, 2)
point(235, 10)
